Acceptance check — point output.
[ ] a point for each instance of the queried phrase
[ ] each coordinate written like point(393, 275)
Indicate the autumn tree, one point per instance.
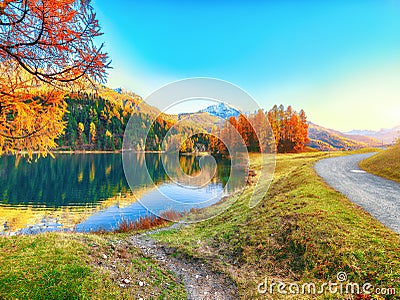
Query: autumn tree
point(290, 128)
point(263, 132)
point(280, 129)
point(46, 48)
point(92, 131)
point(236, 133)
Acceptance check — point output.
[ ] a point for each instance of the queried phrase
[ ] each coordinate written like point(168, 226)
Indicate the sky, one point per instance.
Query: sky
point(338, 60)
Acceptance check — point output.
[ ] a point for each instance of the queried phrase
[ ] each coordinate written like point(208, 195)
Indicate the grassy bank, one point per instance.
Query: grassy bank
point(385, 164)
point(302, 231)
point(80, 266)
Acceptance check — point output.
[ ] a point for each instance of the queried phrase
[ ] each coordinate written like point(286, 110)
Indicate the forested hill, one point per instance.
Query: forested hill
point(97, 121)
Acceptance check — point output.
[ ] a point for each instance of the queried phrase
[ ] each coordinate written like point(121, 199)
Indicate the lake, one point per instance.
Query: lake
point(87, 192)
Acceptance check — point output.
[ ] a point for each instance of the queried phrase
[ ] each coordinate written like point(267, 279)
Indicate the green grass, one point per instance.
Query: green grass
point(385, 164)
point(302, 231)
point(73, 266)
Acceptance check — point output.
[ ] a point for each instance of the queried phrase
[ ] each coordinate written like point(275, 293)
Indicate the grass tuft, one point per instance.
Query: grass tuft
point(149, 222)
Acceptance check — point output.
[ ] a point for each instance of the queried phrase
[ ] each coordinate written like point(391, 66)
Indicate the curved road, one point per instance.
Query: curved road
point(378, 196)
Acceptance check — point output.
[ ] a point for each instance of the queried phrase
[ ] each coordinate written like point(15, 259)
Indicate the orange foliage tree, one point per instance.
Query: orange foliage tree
point(46, 48)
point(289, 128)
point(252, 130)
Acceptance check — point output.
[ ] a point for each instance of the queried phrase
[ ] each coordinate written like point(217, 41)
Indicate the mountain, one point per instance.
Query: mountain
point(321, 138)
point(221, 110)
point(386, 136)
point(360, 132)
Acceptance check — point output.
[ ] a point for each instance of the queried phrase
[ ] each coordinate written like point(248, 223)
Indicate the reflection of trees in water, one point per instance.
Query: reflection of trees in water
point(84, 179)
point(66, 180)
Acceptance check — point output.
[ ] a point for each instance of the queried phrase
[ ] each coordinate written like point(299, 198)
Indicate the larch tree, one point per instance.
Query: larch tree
point(46, 49)
point(290, 128)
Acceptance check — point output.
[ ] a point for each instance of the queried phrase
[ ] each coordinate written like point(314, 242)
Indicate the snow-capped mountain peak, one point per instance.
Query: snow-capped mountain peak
point(221, 110)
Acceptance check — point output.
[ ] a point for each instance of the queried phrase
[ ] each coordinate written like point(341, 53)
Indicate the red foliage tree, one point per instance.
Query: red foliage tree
point(46, 47)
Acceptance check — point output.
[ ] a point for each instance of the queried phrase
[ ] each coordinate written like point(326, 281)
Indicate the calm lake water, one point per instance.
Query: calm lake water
point(95, 186)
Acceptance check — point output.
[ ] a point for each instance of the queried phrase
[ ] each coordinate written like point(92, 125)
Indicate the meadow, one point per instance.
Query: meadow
point(302, 231)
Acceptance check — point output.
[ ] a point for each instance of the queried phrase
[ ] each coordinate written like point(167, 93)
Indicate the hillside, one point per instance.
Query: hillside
point(385, 164)
point(202, 119)
point(122, 97)
point(322, 138)
point(97, 121)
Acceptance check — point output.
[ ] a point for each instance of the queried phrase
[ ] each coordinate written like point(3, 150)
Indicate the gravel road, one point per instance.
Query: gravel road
point(378, 196)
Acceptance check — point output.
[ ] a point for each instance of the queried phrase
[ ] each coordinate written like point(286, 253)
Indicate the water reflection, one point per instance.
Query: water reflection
point(154, 202)
point(85, 183)
point(68, 180)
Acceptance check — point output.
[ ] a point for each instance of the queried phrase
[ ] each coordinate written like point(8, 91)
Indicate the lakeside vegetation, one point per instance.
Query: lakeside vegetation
point(385, 164)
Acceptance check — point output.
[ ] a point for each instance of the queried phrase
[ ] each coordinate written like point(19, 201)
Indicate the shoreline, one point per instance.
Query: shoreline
point(110, 152)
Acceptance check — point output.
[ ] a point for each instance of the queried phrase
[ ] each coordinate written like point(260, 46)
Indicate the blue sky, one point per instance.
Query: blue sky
point(338, 60)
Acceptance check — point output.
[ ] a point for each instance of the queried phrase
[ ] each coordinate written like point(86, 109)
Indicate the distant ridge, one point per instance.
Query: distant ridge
point(385, 135)
point(323, 138)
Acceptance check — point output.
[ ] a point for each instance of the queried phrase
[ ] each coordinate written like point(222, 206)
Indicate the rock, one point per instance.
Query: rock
point(252, 173)
point(197, 276)
point(141, 283)
point(104, 256)
point(126, 280)
point(122, 285)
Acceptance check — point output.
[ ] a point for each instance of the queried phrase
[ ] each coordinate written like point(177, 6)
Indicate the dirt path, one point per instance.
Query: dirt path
point(378, 196)
point(201, 282)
